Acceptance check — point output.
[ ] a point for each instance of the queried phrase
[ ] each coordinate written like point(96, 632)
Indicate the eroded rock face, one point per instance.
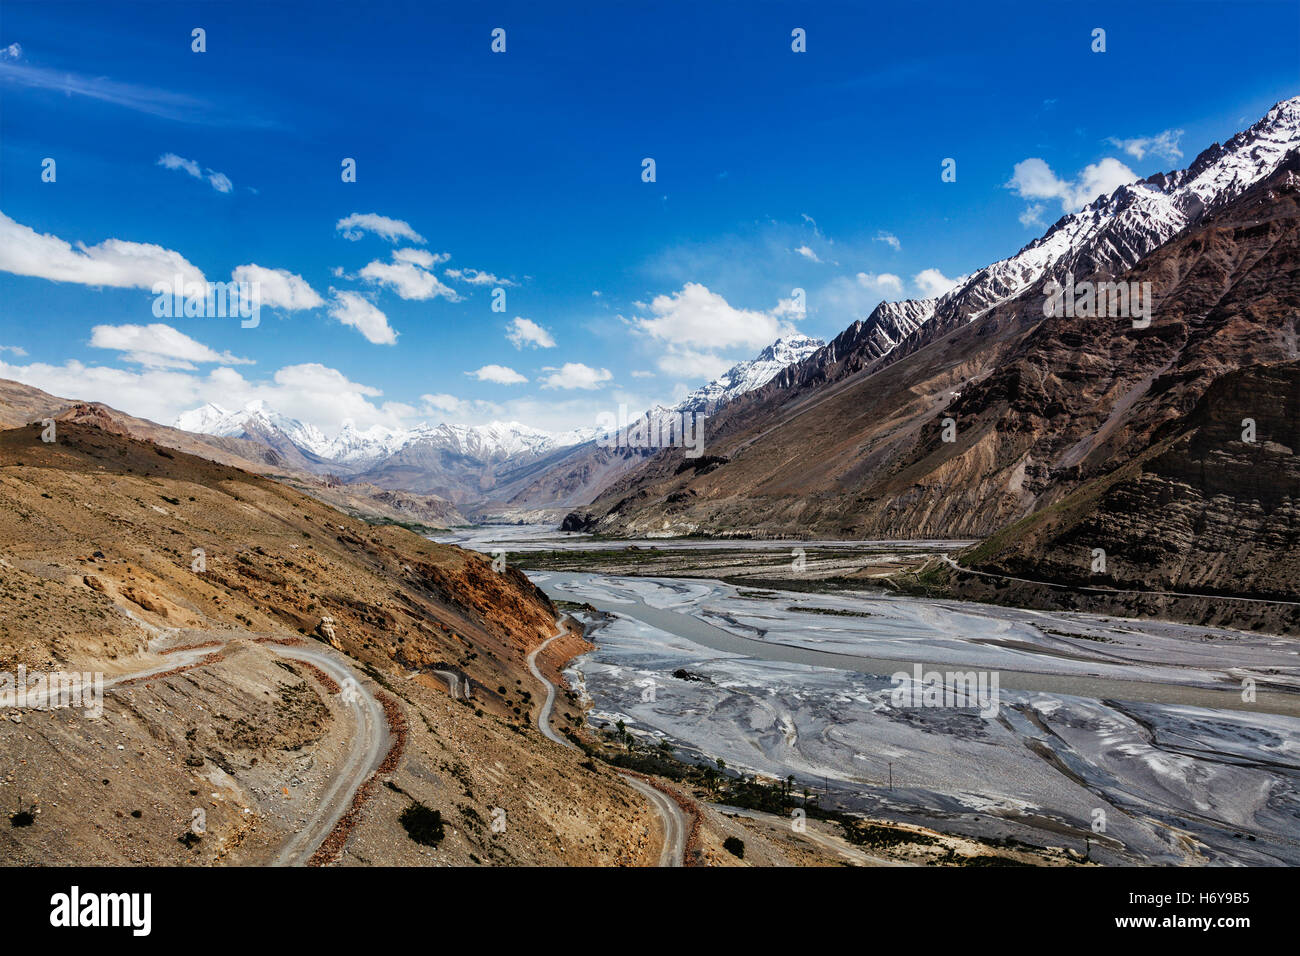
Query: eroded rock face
point(1215, 509)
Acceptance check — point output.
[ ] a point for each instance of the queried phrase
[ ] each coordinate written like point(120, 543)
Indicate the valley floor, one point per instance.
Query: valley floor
point(1123, 740)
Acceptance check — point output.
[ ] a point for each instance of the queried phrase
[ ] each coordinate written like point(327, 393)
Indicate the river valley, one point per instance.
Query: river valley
point(1130, 741)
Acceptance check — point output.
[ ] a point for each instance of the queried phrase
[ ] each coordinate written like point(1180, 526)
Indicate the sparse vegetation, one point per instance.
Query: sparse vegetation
point(422, 824)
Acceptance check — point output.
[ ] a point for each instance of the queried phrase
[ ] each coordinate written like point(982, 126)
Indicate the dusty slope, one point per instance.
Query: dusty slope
point(96, 538)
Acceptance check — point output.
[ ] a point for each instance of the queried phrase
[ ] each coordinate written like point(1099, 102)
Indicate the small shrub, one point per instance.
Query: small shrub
point(422, 825)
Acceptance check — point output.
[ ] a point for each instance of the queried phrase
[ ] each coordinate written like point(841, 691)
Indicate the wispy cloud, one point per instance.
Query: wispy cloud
point(218, 181)
point(151, 100)
point(500, 374)
point(527, 332)
point(351, 309)
point(1165, 145)
point(158, 346)
point(476, 277)
point(359, 223)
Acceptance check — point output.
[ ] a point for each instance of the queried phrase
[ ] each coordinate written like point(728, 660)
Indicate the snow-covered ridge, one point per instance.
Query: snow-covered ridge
point(748, 375)
point(494, 441)
point(1114, 231)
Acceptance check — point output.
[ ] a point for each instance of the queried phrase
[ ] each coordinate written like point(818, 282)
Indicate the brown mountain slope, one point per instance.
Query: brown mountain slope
point(1203, 510)
point(1040, 405)
point(97, 539)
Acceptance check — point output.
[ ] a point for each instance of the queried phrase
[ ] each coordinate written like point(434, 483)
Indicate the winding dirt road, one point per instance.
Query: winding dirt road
point(369, 746)
point(368, 743)
point(676, 826)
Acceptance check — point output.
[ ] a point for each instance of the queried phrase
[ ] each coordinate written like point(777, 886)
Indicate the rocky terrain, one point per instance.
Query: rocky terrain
point(207, 708)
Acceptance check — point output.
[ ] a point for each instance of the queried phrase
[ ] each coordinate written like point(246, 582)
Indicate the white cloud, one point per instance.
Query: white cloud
point(351, 309)
point(1032, 216)
point(409, 276)
point(890, 239)
point(527, 332)
point(443, 402)
point(642, 373)
point(693, 364)
point(476, 277)
point(500, 374)
point(1033, 179)
point(884, 283)
point(158, 346)
point(15, 349)
point(218, 181)
point(12, 52)
point(807, 253)
point(697, 317)
point(113, 262)
point(359, 223)
point(280, 288)
point(1165, 145)
point(420, 257)
point(576, 375)
point(933, 283)
point(695, 323)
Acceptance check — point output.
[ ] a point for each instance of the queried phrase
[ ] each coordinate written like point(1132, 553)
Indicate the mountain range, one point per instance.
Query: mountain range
point(472, 465)
point(1067, 433)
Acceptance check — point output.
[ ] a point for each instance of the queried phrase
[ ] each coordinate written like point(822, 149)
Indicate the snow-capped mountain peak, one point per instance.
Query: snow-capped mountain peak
point(749, 375)
point(255, 416)
point(1114, 231)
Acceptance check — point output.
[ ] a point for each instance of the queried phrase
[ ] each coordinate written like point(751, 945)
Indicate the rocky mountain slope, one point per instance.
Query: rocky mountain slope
point(1041, 406)
point(1107, 236)
point(212, 708)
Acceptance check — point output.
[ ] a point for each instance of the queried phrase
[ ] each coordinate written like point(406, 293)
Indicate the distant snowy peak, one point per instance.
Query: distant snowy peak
point(248, 422)
point(496, 441)
point(749, 375)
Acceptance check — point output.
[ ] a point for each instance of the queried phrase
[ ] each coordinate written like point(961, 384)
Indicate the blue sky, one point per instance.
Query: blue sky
point(775, 170)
